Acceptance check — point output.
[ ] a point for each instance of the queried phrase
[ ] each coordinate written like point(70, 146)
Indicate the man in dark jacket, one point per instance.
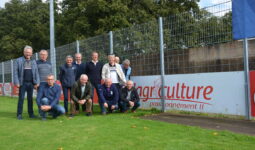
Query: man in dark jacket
point(26, 78)
point(109, 96)
point(81, 67)
point(48, 99)
point(82, 94)
point(67, 78)
point(94, 72)
point(129, 98)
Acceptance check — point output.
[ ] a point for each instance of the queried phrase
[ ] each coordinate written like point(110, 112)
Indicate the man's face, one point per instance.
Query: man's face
point(83, 80)
point(126, 66)
point(50, 80)
point(111, 59)
point(117, 60)
point(78, 57)
point(69, 61)
point(94, 56)
point(43, 55)
point(28, 53)
point(108, 83)
point(129, 85)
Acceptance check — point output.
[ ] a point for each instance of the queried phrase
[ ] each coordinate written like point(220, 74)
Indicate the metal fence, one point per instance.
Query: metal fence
point(193, 42)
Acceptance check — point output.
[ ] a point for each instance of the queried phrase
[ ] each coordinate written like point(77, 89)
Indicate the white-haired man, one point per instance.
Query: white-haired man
point(26, 78)
point(67, 76)
point(81, 94)
point(129, 98)
point(109, 96)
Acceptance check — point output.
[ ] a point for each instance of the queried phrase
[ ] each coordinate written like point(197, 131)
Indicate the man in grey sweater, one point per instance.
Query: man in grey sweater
point(44, 67)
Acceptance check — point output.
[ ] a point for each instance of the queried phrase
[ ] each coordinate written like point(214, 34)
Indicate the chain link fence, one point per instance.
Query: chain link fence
point(194, 42)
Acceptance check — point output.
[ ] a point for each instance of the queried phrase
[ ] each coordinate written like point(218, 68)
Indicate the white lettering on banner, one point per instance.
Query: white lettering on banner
point(221, 92)
point(8, 89)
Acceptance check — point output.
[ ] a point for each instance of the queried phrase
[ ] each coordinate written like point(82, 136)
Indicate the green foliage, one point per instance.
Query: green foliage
point(23, 23)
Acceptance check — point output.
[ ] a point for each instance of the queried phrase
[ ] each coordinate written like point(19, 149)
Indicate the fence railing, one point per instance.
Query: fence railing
point(194, 42)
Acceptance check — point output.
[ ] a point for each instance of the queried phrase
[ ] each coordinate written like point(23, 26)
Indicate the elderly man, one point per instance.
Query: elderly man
point(113, 71)
point(81, 67)
point(129, 98)
point(109, 96)
point(48, 99)
point(117, 59)
point(82, 94)
point(26, 78)
point(126, 68)
point(67, 76)
point(94, 71)
point(44, 67)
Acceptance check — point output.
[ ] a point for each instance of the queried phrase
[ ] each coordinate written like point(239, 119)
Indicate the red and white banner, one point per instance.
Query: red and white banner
point(252, 91)
point(205, 92)
point(1, 89)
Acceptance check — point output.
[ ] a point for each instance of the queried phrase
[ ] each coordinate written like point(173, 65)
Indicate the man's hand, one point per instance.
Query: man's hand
point(131, 103)
point(105, 105)
point(82, 101)
point(113, 107)
point(18, 86)
point(45, 107)
point(36, 86)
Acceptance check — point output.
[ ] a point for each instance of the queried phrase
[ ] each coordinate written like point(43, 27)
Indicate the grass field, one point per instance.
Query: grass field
point(111, 132)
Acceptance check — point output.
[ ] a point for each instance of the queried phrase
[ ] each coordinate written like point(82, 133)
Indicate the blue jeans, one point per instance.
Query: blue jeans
point(29, 88)
point(65, 92)
point(125, 106)
point(103, 109)
point(56, 110)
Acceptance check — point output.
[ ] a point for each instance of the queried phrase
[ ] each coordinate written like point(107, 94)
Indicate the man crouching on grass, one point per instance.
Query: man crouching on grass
point(81, 93)
point(129, 98)
point(48, 99)
point(109, 96)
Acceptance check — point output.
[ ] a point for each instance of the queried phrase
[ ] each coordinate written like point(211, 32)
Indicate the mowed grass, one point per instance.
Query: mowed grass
point(111, 132)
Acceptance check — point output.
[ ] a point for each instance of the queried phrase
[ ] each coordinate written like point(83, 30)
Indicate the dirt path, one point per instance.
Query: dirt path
point(234, 125)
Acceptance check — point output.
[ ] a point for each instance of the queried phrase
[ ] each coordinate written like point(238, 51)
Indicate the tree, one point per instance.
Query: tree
point(23, 23)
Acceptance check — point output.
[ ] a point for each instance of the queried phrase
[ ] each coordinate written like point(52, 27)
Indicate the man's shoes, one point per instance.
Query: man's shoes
point(44, 119)
point(89, 114)
point(103, 113)
point(19, 117)
point(133, 111)
point(32, 116)
point(71, 116)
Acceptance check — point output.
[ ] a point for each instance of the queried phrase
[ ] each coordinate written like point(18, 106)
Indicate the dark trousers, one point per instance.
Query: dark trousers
point(66, 97)
point(125, 106)
point(119, 87)
point(95, 86)
point(56, 110)
point(29, 88)
point(103, 109)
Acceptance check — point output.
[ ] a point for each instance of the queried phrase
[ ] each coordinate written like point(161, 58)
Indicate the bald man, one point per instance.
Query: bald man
point(81, 94)
point(109, 97)
point(129, 98)
point(26, 78)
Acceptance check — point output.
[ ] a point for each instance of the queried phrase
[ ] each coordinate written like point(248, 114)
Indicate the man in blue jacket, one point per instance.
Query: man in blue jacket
point(67, 78)
point(109, 97)
point(48, 99)
point(126, 69)
point(26, 78)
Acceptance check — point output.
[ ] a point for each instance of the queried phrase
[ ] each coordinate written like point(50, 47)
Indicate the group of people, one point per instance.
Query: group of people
point(111, 81)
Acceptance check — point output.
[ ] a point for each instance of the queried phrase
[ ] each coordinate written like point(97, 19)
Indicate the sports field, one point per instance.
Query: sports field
point(111, 132)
